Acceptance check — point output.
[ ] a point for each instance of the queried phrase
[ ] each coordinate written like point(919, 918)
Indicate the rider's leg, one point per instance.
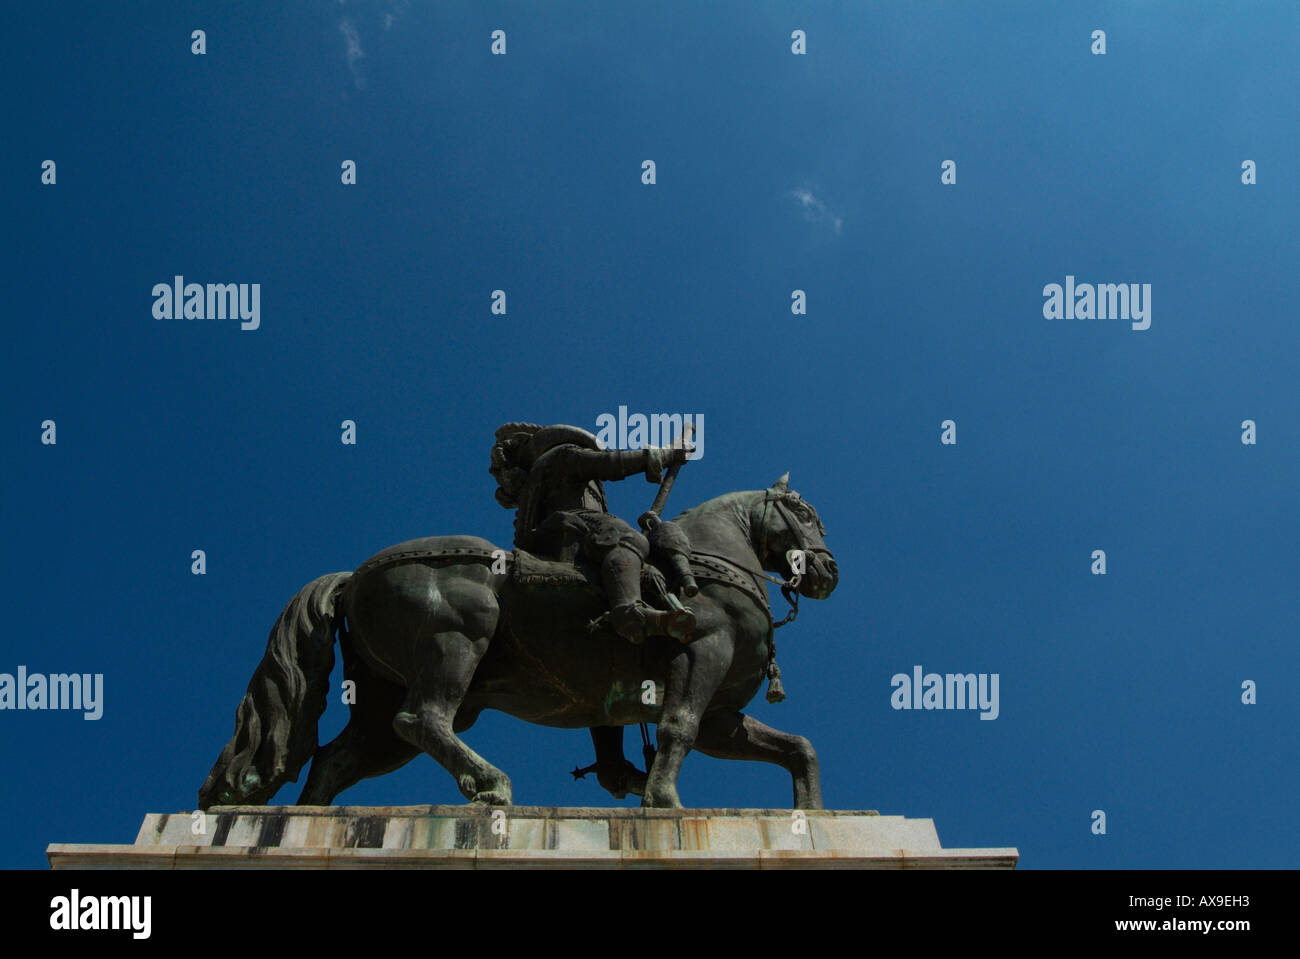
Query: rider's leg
point(632, 618)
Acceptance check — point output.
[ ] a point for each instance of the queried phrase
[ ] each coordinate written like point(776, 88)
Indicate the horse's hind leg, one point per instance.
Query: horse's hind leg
point(355, 754)
point(425, 721)
point(730, 734)
point(367, 746)
point(616, 775)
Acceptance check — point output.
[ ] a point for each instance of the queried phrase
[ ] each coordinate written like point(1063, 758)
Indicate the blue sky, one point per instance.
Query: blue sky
point(775, 172)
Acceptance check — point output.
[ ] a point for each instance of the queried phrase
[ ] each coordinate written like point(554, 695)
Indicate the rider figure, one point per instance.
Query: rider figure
point(552, 477)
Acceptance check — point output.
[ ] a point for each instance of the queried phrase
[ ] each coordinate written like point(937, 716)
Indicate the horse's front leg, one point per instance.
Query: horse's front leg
point(728, 733)
point(694, 675)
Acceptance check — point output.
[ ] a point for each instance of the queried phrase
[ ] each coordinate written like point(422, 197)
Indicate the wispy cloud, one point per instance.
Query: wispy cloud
point(393, 9)
point(814, 210)
point(366, 14)
point(354, 52)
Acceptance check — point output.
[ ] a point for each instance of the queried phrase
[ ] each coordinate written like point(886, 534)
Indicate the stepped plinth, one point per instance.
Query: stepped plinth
point(534, 837)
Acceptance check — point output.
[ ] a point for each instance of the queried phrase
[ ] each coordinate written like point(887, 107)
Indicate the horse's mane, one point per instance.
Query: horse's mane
point(719, 503)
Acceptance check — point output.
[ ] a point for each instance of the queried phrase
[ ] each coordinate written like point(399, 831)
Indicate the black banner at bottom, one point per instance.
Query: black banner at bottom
point(578, 910)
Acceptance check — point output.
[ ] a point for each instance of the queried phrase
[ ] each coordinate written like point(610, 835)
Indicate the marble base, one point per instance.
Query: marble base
point(534, 837)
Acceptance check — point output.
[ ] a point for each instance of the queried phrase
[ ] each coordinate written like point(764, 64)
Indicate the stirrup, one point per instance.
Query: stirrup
point(635, 621)
point(679, 624)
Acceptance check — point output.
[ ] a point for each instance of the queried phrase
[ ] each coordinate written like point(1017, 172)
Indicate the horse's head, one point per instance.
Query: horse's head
point(782, 521)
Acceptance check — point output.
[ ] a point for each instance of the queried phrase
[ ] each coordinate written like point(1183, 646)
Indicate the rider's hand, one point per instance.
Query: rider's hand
point(680, 454)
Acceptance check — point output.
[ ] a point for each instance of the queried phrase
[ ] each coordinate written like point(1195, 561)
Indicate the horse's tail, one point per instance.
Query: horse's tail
point(275, 724)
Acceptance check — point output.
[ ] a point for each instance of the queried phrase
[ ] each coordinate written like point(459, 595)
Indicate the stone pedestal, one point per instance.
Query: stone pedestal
point(534, 837)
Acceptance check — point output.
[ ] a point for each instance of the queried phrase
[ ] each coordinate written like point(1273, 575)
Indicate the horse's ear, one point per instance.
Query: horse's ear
point(783, 484)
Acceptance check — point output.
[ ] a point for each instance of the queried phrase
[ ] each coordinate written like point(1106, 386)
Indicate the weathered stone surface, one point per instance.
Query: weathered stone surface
point(477, 837)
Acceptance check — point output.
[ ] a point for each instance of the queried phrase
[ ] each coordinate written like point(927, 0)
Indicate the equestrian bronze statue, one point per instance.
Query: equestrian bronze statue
point(585, 624)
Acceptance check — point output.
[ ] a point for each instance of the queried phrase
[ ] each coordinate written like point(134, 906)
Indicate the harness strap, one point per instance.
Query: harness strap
point(441, 552)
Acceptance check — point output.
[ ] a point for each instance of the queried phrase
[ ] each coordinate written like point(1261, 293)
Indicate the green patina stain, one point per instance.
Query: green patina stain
point(615, 695)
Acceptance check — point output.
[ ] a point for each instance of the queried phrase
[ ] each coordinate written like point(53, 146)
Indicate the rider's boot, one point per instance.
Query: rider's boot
point(631, 617)
point(635, 621)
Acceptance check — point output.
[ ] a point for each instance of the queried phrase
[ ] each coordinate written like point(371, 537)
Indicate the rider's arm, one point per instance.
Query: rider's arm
point(619, 464)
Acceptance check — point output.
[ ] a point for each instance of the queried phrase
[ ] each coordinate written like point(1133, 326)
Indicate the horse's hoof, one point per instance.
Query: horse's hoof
point(628, 779)
point(649, 801)
point(490, 798)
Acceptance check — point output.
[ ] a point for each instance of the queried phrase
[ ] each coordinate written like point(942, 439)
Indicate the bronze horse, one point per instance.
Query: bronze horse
point(433, 632)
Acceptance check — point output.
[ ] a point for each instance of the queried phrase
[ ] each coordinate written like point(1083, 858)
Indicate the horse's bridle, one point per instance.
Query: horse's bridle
point(771, 498)
point(789, 586)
